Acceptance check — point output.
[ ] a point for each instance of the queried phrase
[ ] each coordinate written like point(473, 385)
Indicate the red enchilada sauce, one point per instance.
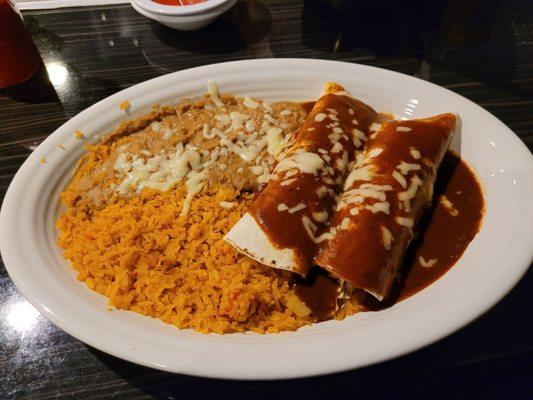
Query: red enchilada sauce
point(358, 252)
point(285, 229)
point(319, 292)
point(444, 233)
point(178, 2)
point(445, 230)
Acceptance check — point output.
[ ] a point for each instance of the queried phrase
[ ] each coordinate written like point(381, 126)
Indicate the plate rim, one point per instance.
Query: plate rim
point(19, 282)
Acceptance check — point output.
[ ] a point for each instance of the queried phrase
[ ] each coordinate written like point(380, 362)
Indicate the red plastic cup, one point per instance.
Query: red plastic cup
point(19, 59)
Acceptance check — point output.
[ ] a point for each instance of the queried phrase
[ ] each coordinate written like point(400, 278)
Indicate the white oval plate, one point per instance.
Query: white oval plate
point(493, 263)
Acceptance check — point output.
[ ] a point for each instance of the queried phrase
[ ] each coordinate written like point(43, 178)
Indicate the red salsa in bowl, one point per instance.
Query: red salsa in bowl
point(179, 2)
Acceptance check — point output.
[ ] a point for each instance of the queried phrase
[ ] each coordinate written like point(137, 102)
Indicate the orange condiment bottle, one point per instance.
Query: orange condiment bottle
point(19, 59)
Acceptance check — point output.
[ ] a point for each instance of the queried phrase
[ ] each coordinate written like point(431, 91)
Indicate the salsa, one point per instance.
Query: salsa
point(178, 2)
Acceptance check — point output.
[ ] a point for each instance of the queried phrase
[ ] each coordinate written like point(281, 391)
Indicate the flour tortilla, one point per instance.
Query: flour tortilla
point(248, 237)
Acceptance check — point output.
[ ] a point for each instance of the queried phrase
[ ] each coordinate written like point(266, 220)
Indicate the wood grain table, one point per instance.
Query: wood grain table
point(482, 50)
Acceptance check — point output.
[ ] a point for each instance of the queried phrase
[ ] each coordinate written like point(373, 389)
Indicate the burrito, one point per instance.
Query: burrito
point(384, 195)
point(282, 226)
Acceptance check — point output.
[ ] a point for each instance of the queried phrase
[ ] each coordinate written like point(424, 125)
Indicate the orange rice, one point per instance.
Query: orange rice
point(146, 258)
point(140, 254)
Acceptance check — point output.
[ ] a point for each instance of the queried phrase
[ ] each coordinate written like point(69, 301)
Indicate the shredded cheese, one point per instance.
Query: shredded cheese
point(212, 89)
point(275, 144)
point(248, 102)
point(362, 173)
point(387, 238)
point(403, 129)
point(160, 172)
point(427, 263)
point(305, 162)
point(406, 196)
point(226, 204)
point(405, 168)
point(358, 137)
point(400, 178)
point(321, 216)
point(449, 206)
point(310, 228)
point(375, 127)
point(208, 135)
point(194, 185)
point(337, 148)
point(320, 117)
point(282, 207)
point(403, 221)
point(345, 223)
point(287, 182)
point(321, 191)
point(363, 192)
point(379, 206)
point(374, 152)
point(296, 208)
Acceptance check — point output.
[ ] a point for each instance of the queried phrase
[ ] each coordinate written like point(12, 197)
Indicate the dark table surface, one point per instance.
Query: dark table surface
point(482, 50)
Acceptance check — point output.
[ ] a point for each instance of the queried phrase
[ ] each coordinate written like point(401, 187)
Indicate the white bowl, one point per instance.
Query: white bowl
point(491, 265)
point(156, 8)
point(185, 22)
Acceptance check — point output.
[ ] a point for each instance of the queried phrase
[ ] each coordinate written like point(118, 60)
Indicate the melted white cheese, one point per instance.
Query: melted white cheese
point(337, 148)
point(320, 117)
point(358, 137)
point(360, 194)
point(226, 204)
point(449, 206)
point(379, 206)
point(427, 263)
point(194, 185)
point(387, 238)
point(374, 152)
point(410, 193)
point(406, 167)
point(296, 208)
point(212, 89)
point(305, 162)
point(311, 228)
point(248, 102)
point(375, 127)
point(160, 172)
point(400, 178)
point(403, 129)
point(321, 216)
point(363, 173)
point(282, 207)
point(408, 222)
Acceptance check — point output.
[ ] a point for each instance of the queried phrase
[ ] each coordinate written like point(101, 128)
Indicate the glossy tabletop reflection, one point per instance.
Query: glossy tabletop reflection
point(482, 50)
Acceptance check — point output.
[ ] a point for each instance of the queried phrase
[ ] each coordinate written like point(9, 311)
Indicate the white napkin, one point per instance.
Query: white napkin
point(47, 4)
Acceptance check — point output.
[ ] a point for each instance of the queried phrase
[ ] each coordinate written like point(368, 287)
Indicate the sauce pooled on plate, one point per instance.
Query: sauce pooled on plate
point(444, 233)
